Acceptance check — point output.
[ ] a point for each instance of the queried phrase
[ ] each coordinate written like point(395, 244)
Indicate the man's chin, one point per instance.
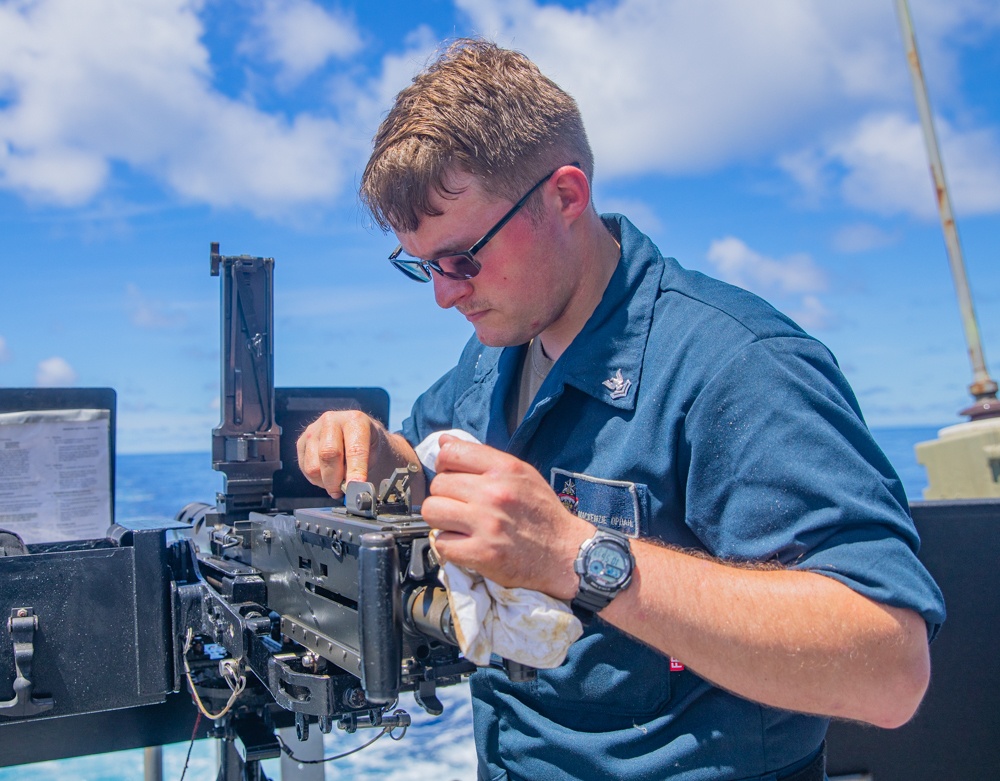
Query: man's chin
point(491, 338)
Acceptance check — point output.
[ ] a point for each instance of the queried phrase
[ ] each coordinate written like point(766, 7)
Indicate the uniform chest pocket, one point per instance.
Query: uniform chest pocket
point(609, 682)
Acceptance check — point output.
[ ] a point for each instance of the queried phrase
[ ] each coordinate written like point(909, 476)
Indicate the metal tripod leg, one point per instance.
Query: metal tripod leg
point(257, 742)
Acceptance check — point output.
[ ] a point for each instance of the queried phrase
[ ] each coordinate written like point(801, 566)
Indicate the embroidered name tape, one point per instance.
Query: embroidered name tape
point(610, 504)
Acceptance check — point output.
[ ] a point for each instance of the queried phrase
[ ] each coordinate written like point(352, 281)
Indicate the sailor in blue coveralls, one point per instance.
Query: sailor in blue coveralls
point(769, 579)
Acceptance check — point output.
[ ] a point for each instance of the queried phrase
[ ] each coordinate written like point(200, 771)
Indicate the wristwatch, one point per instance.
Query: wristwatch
point(605, 565)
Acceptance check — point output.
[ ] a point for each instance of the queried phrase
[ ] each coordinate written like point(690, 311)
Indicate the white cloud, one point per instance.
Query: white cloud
point(666, 86)
point(300, 37)
point(740, 265)
point(264, 163)
point(791, 283)
point(54, 372)
point(64, 176)
point(367, 103)
point(4, 352)
point(881, 165)
point(682, 87)
point(88, 85)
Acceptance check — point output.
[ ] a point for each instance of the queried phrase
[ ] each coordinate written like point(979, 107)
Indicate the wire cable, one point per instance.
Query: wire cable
point(288, 750)
point(194, 734)
point(236, 680)
point(385, 731)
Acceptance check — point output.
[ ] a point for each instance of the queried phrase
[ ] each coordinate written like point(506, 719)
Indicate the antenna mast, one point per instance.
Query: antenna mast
point(983, 387)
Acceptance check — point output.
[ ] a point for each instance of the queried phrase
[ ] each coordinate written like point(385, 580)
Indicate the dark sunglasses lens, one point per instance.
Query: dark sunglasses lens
point(412, 268)
point(457, 267)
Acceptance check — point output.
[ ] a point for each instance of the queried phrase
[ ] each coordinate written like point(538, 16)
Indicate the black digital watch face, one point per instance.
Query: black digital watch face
point(607, 565)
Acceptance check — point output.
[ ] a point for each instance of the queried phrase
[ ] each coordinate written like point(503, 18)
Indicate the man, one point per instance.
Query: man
point(683, 418)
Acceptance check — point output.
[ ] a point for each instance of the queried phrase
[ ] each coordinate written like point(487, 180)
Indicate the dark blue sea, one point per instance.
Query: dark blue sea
point(158, 486)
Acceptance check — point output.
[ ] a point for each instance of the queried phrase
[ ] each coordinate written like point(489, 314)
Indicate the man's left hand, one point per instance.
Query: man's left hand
point(499, 517)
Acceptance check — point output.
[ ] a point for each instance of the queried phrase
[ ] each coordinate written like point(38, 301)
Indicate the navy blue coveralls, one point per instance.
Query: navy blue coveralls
point(690, 411)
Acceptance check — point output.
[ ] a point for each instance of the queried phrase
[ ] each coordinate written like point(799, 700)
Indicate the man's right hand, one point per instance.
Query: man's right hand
point(347, 445)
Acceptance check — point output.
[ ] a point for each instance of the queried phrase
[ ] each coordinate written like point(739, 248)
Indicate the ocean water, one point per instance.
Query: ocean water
point(158, 486)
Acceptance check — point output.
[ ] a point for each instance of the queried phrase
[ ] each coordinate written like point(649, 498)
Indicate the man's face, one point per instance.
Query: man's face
point(527, 278)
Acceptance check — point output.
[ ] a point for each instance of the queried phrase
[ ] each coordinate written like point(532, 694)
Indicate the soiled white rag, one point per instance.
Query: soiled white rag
point(518, 624)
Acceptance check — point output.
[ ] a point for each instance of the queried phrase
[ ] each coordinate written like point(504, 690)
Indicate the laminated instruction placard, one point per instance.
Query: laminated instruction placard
point(55, 474)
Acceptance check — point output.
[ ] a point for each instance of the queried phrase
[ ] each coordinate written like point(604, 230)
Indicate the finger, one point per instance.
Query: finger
point(460, 486)
point(452, 547)
point(447, 515)
point(328, 449)
point(457, 455)
point(308, 454)
point(301, 445)
point(357, 447)
point(448, 539)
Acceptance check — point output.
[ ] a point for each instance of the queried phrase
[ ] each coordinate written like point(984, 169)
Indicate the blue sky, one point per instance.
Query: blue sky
point(774, 144)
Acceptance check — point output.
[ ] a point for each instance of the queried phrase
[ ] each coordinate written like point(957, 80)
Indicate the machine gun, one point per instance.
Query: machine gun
point(327, 613)
point(270, 606)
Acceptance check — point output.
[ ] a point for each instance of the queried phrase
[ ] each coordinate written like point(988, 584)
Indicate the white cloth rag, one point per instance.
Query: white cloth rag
point(518, 624)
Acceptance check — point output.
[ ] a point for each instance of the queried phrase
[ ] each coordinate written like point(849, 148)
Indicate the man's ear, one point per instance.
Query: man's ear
point(573, 191)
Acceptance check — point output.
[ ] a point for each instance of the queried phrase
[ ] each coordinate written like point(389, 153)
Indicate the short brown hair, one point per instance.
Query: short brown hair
point(477, 108)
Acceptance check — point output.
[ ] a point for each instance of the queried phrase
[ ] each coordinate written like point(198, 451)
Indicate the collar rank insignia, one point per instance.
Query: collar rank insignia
point(617, 386)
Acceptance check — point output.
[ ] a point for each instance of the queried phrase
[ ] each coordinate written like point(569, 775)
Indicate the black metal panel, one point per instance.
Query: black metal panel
point(154, 648)
point(956, 733)
point(103, 639)
point(97, 733)
point(296, 408)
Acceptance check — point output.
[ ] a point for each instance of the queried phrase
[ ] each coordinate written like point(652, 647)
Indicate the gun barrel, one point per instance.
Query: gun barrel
point(428, 612)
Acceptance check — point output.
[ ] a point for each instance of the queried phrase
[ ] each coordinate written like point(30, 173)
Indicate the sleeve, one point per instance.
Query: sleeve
point(782, 468)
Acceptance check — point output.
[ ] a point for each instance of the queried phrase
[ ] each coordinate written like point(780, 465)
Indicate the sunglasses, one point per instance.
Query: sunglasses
point(459, 265)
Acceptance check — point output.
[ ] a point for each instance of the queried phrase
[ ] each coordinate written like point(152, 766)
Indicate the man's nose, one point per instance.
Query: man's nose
point(448, 292)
